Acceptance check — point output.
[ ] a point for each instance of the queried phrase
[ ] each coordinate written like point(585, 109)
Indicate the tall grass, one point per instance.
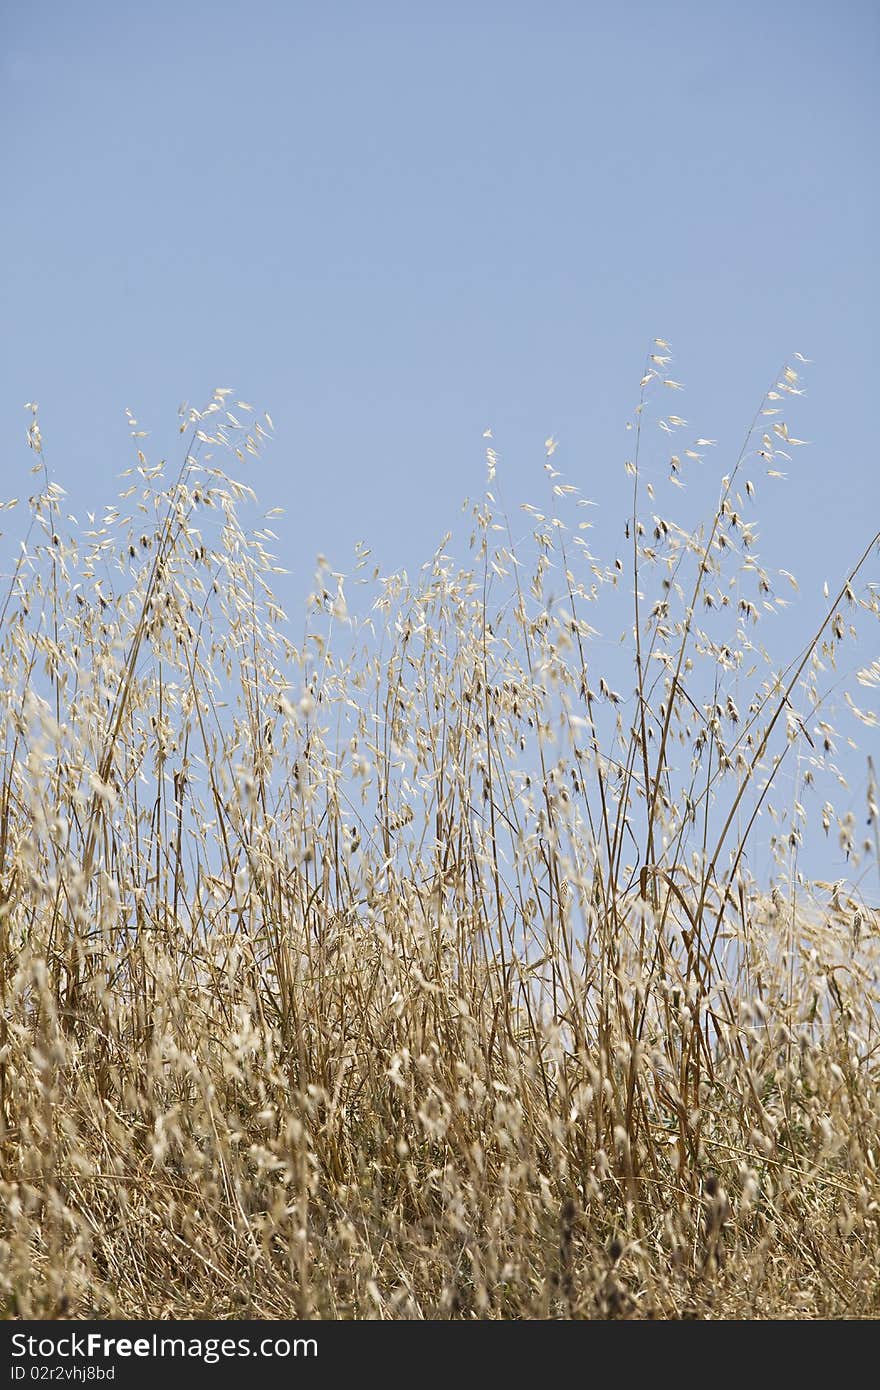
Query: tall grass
point(411, 968)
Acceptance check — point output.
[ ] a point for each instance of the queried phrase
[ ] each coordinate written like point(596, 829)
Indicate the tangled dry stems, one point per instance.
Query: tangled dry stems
point(410, 970)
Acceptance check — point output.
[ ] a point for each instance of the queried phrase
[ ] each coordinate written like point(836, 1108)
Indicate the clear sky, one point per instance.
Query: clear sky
point(395, 225)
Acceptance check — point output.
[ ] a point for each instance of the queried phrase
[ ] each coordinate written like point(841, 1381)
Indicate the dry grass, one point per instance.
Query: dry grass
point(409, 970)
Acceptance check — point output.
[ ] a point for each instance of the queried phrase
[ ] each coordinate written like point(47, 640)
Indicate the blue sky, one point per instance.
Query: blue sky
point(397, 225)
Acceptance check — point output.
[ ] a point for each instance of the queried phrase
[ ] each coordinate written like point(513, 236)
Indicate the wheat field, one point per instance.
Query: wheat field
point(406, 960)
